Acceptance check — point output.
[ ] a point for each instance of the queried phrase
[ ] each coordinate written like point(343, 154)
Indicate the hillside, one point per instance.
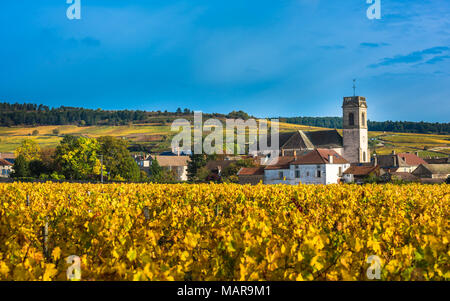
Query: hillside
point(157, 137)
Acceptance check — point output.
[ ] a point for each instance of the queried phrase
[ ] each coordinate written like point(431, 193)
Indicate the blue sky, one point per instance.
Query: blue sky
point(268, 58)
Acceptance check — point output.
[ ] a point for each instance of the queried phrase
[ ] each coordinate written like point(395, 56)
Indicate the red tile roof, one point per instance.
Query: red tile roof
point(411, 159)
point(4, 163)
point(320, 156)
point(280, 163)
point(251, 171)
point(360, 170)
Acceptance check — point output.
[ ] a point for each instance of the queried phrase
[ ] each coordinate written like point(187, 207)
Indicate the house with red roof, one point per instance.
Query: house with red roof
point(402, 162)
point(5, 168)
point(318, 166)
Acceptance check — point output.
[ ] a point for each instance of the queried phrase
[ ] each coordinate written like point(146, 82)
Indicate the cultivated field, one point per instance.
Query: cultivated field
point(154, 135)
point(224, 231)
point(158, 137)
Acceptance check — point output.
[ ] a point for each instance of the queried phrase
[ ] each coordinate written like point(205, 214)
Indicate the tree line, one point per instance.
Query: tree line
point(33, 115)
point(380, 126)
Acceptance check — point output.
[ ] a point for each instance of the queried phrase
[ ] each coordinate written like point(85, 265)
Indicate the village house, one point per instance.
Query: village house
point(251, 175)
point(359, 174)
point(6, 168)
point(278, 173)
point(177, 164)
point(402, 162)
point(432, 171)
point(392, 176)
point(143, 160)
point(318, 166)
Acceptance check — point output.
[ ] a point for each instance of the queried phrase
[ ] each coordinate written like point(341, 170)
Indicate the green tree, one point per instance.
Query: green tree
point(78, 158)
point(20, 168)
point(230, 173)
point(155, 169)
point(196, 162)
point(29, 149)
point(117, 160)
point(36, 168)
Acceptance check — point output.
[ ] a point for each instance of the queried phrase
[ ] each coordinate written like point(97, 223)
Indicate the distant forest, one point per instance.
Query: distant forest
point(33, 115)
point(381, 126)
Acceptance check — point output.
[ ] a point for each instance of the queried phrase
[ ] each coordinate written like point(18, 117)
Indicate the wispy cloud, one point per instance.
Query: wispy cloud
point(373, 45)
point(437, 59)
point(413, 57)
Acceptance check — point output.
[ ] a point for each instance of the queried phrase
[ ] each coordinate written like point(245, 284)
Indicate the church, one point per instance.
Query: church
point(352, 145)
point(317, 157)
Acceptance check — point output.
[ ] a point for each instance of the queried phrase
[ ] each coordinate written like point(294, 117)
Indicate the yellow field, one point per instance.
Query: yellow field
point(10, 138)
point(225, 231)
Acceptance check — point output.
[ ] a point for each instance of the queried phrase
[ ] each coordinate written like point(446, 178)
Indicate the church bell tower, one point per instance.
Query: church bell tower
point(355, 132)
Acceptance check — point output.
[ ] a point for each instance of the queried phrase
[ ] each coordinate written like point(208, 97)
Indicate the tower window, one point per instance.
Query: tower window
point(363, 119)
point(364, 156)
point(351, 119)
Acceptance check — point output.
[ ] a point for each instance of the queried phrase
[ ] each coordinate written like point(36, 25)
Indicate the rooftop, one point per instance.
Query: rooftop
point(320, 156)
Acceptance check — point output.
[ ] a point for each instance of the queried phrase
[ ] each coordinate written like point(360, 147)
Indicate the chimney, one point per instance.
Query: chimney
point(295, 153)
point(375, 160)
point(417, 154)
point(393, 152)
point(330, 159)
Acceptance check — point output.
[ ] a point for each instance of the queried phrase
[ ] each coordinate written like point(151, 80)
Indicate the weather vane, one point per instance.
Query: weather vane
point(354, 87)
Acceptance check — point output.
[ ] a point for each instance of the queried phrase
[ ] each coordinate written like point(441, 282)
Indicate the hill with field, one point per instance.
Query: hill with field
point(156, 137)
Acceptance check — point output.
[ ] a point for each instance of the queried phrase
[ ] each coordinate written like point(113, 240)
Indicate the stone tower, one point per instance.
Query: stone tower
point(356, 148)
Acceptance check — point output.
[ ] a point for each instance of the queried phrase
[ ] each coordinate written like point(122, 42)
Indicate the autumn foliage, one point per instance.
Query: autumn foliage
point(224, 231)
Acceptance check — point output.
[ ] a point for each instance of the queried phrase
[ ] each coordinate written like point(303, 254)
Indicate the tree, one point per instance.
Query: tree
point(155, 169)
point(37, 168)
point(29, 149)
point(197, 161)
point(47, 156)
point(35, 133)
point(230, 173)
point(55, 132)
point(77, 158)
point(20, 168)
point(117, 160)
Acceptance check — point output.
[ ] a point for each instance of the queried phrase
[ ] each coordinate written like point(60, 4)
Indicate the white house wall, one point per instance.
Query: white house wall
point(308, 174)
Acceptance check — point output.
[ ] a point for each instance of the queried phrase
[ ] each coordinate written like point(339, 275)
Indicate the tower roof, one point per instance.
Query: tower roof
point(355, 101)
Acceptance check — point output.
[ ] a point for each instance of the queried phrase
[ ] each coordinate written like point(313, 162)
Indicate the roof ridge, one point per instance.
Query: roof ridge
point(305, 138)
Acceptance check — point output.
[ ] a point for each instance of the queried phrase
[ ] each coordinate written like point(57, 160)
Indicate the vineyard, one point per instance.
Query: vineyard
point(224, 231)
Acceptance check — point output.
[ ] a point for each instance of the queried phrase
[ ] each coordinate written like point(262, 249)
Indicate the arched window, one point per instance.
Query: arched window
point(351, 119)
point(364, 156)
point(363, 119)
